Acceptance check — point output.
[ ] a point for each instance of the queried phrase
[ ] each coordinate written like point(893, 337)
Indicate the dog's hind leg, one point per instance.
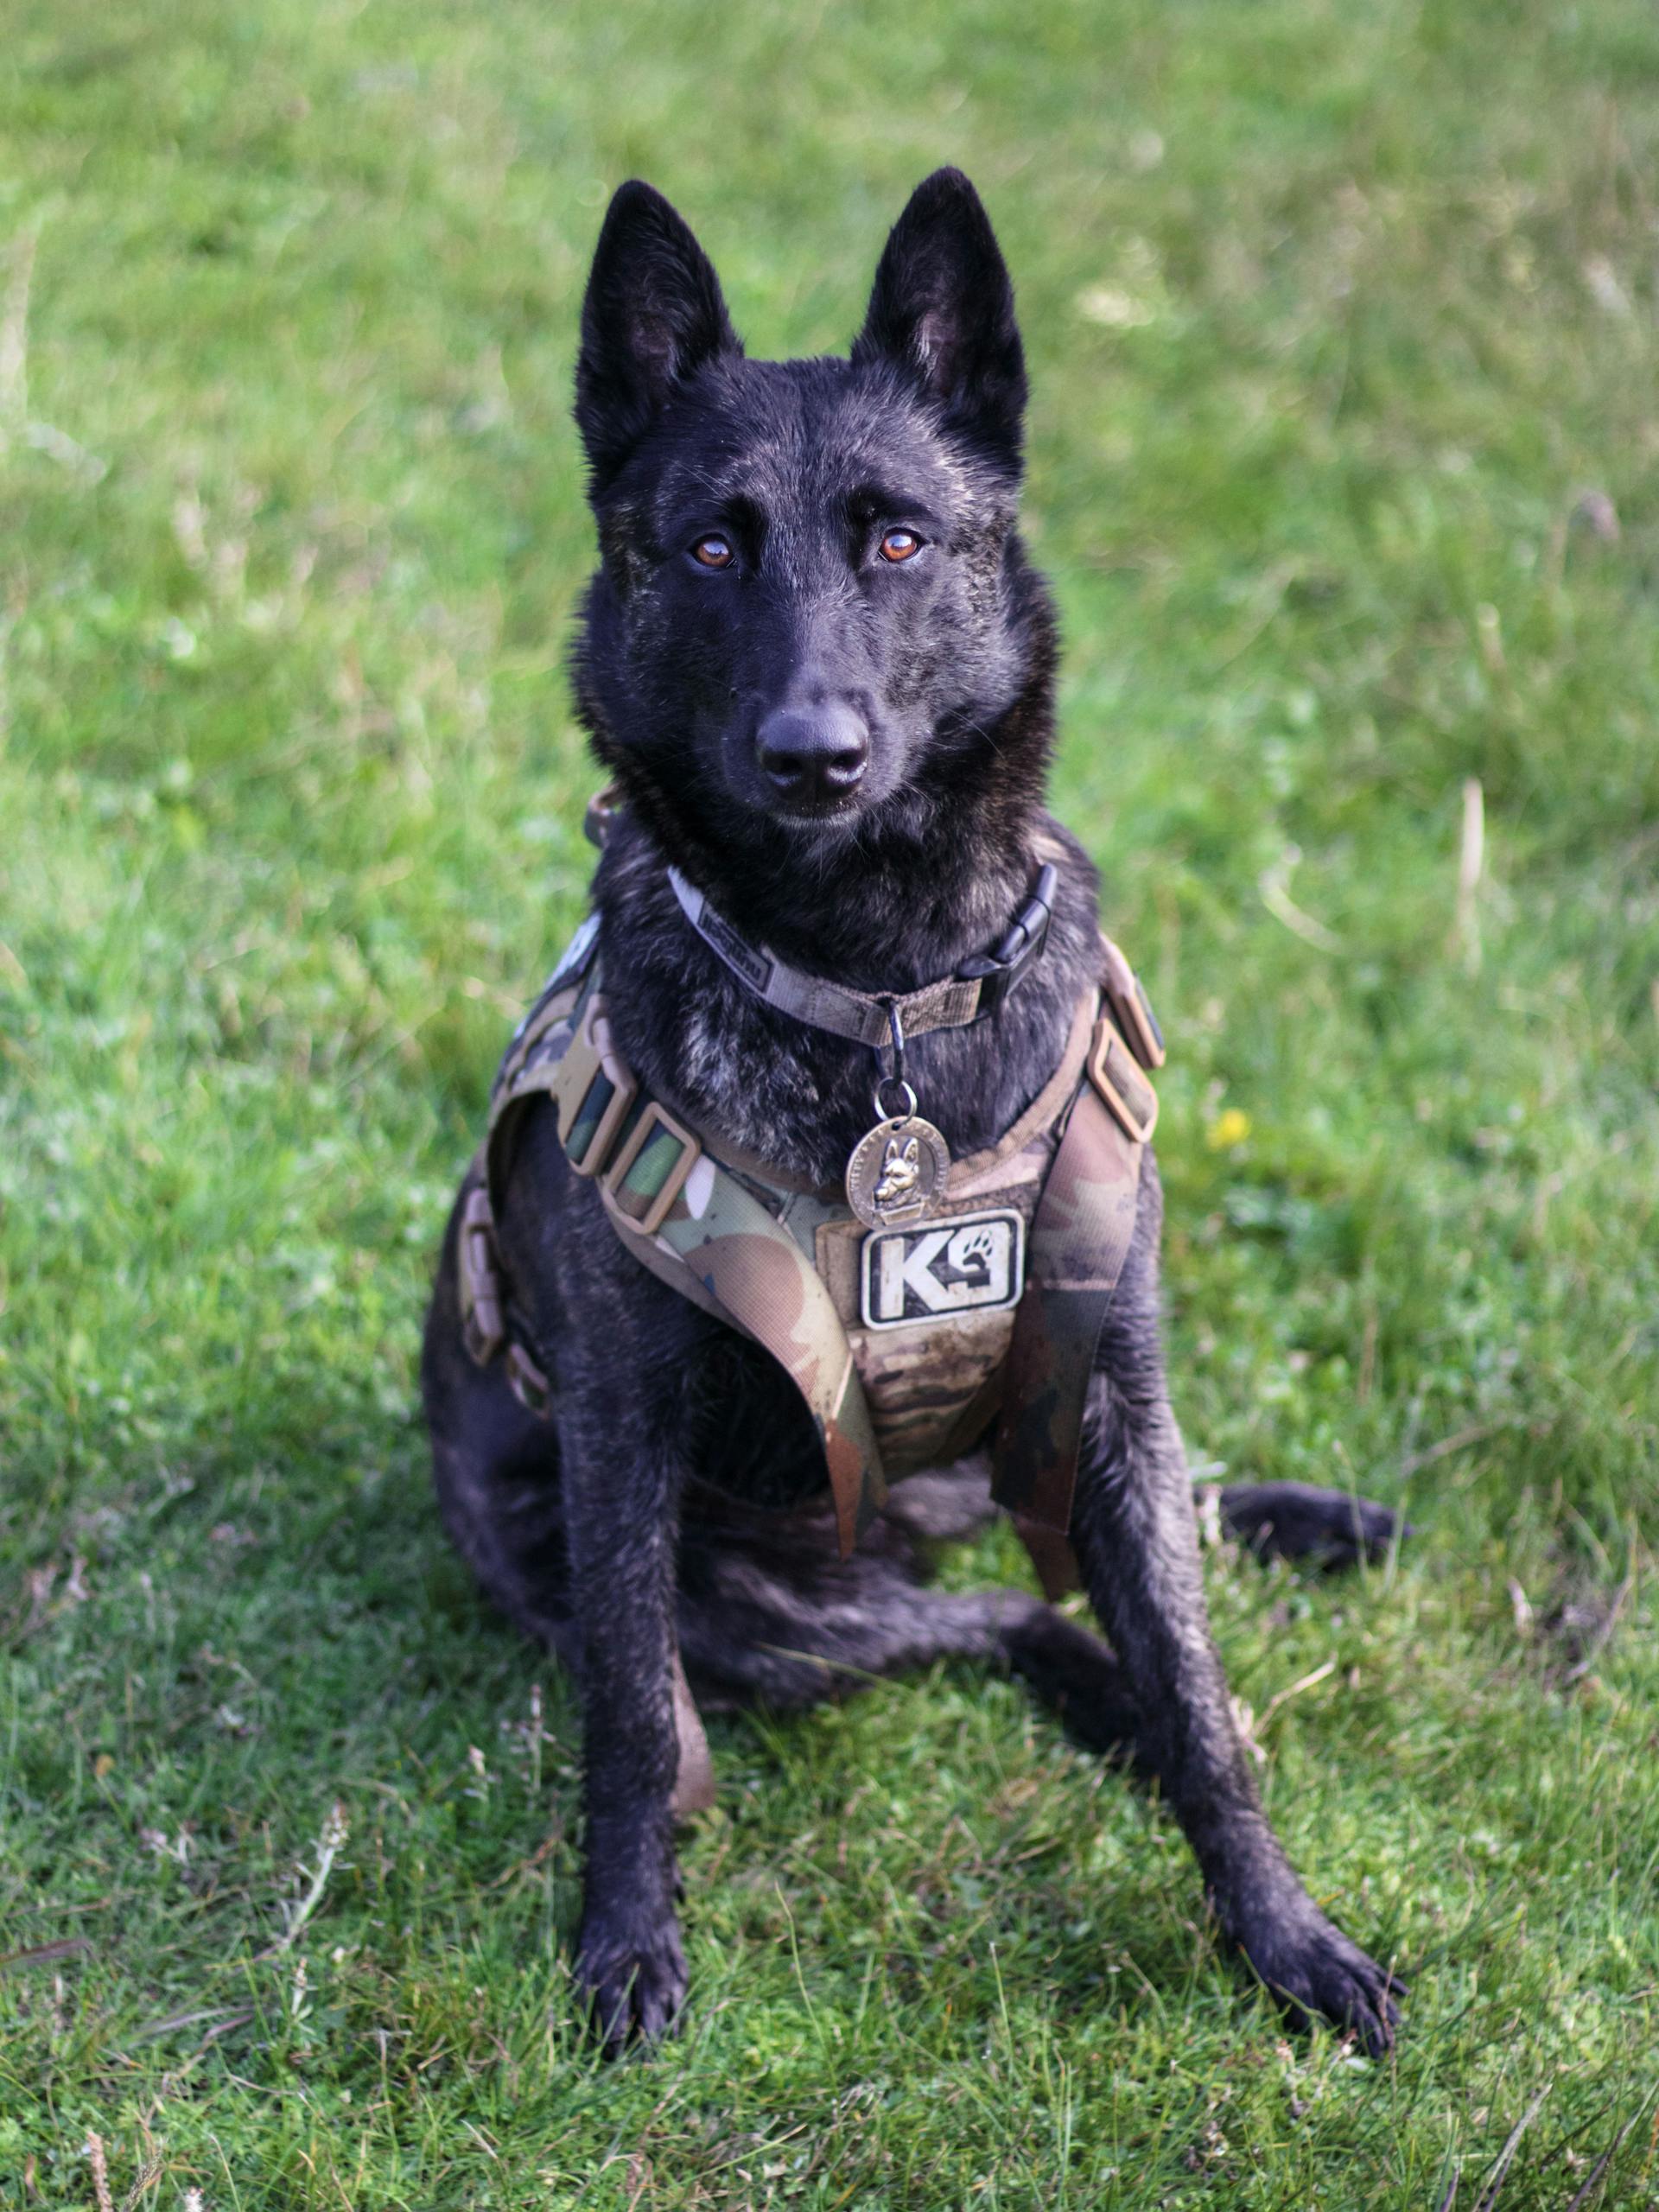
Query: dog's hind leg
point(768, 1614)
point(497, 1473)
point(1294, 1521)
point(1069, 1671)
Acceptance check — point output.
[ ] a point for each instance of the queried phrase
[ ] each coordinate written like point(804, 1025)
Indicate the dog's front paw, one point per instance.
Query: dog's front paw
point(1311, 1967)
point(633, 1976)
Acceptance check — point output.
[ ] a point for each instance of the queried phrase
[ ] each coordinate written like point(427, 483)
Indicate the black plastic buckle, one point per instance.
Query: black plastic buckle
point(1002, 968)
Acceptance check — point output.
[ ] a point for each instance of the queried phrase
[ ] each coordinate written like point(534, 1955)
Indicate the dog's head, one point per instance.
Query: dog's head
point(812, 606)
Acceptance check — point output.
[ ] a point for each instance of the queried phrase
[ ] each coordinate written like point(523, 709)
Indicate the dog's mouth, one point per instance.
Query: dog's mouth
point(831, 812)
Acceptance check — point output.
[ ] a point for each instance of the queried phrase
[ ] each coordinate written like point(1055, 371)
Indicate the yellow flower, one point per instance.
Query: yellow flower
point(1226, 1130)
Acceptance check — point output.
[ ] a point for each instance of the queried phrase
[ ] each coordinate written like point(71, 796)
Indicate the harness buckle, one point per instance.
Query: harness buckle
point(1001, 970)
point(649, 1173)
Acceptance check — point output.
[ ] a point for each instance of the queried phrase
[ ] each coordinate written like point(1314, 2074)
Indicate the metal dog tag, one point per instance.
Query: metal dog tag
point(897, 1170)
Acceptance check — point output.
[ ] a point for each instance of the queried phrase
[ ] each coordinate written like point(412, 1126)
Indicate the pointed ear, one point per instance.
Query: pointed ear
point(942, 309)
point(652, 315)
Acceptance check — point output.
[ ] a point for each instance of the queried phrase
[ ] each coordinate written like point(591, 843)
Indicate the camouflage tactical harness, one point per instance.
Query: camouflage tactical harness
point(910, 1345)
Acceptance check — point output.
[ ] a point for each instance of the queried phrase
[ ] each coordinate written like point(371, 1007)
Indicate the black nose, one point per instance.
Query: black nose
point(814, 755)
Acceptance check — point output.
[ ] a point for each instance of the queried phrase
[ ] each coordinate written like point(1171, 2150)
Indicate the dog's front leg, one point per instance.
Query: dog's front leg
point(1135, 1530)
point(622, 1473)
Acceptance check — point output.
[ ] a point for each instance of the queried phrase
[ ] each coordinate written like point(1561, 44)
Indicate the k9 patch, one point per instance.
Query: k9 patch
point(970, 1264)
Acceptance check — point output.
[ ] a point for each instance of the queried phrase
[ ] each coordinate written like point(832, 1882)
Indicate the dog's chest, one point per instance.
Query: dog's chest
point(929, 1307)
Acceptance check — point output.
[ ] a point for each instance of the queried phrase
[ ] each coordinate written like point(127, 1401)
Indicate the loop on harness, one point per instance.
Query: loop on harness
point(483, 1307)
point(527, 1382)
point(595, 1091)
point(650, 1171)
point(483, 1324)
point(1130, 1098)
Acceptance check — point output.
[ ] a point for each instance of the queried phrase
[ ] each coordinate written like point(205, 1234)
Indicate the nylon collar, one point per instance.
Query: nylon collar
point(978, 988)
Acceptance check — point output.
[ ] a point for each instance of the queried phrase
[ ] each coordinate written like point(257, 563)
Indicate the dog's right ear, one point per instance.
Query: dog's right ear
point(653, 315)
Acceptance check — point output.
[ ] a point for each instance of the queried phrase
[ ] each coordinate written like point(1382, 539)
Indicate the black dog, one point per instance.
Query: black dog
point(819, 667)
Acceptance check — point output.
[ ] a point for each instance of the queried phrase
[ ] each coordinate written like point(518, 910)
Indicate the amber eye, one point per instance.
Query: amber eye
point(713, 551)
point(899, 545)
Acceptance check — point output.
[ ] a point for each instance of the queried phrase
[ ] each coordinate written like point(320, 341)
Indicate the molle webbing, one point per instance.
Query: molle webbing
point(743, 1246)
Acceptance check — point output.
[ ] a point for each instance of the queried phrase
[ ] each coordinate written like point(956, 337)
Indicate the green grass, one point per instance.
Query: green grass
point(1336, 316)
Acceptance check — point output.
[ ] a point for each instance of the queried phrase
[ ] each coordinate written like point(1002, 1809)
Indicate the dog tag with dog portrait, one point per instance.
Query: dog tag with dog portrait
point(898, 1169)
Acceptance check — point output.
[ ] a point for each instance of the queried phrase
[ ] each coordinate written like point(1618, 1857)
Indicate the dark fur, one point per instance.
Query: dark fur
point(677, 1492)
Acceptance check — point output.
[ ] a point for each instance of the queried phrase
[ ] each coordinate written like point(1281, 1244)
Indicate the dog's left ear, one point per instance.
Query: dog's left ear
point(651, 316)
point(942, 309)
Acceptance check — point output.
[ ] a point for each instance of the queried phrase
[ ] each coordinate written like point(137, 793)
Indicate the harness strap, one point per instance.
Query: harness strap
point(683, 1214)
point(1080, 1240)
point(718, 1245)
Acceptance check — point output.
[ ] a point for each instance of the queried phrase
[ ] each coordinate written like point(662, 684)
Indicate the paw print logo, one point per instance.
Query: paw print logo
point(970, 1253)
